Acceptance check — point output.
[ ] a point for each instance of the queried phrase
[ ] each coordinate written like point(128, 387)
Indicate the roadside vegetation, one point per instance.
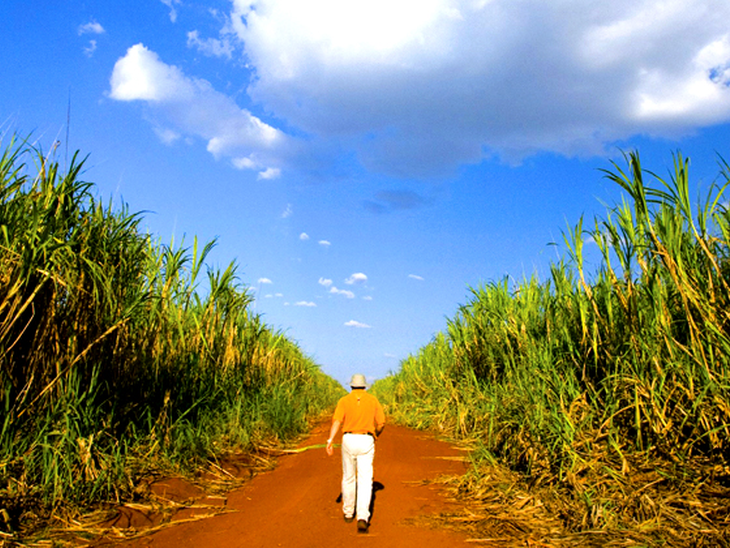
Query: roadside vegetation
point(120, 356)
point(596, 402)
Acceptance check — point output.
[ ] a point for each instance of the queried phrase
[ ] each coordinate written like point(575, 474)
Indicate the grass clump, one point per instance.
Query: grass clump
point(113, 360)
point(597, 403)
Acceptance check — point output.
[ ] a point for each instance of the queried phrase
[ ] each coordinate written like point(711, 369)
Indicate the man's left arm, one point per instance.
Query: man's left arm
point(379, 420)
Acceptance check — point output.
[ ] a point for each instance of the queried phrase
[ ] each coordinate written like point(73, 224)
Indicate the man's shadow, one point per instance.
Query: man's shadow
point(377, 486)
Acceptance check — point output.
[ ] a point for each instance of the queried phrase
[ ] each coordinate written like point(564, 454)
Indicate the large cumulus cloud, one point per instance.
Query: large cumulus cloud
point(419, 87)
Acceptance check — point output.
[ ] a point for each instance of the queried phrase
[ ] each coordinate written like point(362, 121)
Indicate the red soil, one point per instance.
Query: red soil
point(296, 505)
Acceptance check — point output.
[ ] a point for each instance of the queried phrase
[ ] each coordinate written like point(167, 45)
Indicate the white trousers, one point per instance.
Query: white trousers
point(358, 451)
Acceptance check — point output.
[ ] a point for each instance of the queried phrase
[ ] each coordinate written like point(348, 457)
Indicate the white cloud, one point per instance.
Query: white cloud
point(269, 173)
point(354, 323)
point(421, 86)
point(287, 212)
point(325, 282)
point(92, 27)
point(90, 49)
point(171, 4)
point(324, 243)
point(212, 47)
point(141, 75)
point(265, 281)
point(356, 278)
point(191, 106)
point(367, 298)
point(308, 304)
point(304, 236)
point(244, 163)
point(166, 135)
point(415, 277)
point(345, 292)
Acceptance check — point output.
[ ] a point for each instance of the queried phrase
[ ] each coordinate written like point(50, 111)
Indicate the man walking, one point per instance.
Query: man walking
point(362, 419)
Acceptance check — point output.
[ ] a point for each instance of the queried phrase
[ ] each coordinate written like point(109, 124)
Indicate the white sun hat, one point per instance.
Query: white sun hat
point(358, 381)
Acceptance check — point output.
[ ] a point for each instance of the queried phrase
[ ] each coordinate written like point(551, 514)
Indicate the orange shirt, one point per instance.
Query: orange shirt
point(359, 413)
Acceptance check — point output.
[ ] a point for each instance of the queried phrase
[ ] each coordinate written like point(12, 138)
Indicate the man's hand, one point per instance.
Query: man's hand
point(333, 432)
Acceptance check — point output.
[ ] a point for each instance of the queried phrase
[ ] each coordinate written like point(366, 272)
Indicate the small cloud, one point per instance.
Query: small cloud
point(304, 236)
point(305, 303)
point(268, 296)
point(324, 243)
point(367, 298)
point(210, 47)
point(345, 292)
point(171, 4)
point(278, 295)
point(246, 162)
point(591, 239)
point(287, 212)
point(415, 277)
point(356, 278)
point(394, 200)
point(269, 173)
point(265, 281)
point(354, 323)
point(92, 27)
point(389, 355)
point(90, 49)
point(167, 136)
point(325, 282)
point(243, 163)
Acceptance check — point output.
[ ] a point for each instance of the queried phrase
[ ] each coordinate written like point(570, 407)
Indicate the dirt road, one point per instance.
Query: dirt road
point(296, 505)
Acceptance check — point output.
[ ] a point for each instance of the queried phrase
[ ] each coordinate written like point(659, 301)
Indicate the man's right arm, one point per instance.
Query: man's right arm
point(333, 432)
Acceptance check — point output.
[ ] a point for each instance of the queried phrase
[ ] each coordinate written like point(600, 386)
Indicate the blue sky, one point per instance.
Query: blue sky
point(365, 163)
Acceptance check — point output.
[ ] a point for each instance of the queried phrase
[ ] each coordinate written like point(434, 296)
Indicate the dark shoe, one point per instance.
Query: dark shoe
point(362, 526)
point(349, 519)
